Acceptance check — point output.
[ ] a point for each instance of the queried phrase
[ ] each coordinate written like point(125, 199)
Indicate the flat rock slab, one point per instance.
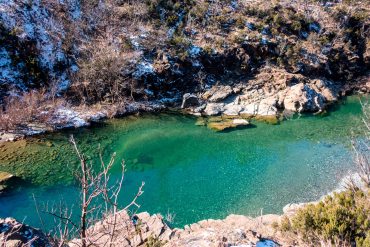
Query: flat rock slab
point(227, 124)
point(5, 176)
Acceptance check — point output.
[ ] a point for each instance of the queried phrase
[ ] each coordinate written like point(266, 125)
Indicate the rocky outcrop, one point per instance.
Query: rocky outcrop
point(144, 229)
point(128, 231)
point(302, 97)
point(16, 234)
point(271, 92)
point(217, 93)
point(258, 69)
point(235, 230)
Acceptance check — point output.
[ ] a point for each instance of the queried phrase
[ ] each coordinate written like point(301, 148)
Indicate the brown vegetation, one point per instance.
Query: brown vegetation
point(36, 107)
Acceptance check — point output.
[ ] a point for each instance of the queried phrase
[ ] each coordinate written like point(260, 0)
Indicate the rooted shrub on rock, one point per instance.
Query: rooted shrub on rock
point(342, 219)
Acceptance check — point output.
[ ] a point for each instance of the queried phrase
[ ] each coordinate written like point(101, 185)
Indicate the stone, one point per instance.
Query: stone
point(232, 109)
point(14, 243)
point(270, 119)
point(221, 126)
point(213, 109)
point(267, 107)
point(250, 109)
point(227, 124)
point(218, 93)
point(199, 109)
point(148, 227)
point(201, 122)
point(240, 122)
point(325, 88)
point(9, 137)
point(302, 98)
point(5, 180)
point(5, 176)
point(189, 100)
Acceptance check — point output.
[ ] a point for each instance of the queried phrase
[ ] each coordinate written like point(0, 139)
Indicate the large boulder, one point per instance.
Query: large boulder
point(232, 109)
point(325, 88)
point(302, 98)
point(213, 109)
point(265, 107)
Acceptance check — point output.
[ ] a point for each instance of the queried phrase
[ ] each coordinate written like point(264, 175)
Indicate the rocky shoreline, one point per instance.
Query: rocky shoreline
point(234, 230)
point(271, 96)
point(239, 60)
point(153, 230)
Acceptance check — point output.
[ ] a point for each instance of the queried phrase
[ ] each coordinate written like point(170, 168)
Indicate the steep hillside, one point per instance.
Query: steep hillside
point(259, 57)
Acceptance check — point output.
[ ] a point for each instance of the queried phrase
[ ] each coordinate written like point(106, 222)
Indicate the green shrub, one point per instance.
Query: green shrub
point(172, 19)
point(179, 41)
point(342, 218)
point(285, 224)
point(154, 242)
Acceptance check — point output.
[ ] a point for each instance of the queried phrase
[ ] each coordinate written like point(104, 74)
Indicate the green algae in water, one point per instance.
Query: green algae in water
point(190, 170)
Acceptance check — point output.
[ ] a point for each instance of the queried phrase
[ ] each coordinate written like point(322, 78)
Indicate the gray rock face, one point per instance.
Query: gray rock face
point(272, 90)
point(218, 93)
point(302, 97)
point(189, 100)
point(213, 109)
point(232, 110)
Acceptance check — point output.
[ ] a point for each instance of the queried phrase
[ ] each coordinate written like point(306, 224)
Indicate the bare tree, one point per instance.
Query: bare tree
point(95, 187)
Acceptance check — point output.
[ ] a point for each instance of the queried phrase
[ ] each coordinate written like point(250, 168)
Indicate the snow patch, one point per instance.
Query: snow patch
point(70, 117)
point(142, 69)
point(35, 21)
point(194, 51)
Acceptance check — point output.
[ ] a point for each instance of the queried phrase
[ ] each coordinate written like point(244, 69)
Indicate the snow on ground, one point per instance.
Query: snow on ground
point(35, 21)
point(70, 118)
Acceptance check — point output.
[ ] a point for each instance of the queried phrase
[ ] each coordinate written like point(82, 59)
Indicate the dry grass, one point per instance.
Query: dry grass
point(34, 106)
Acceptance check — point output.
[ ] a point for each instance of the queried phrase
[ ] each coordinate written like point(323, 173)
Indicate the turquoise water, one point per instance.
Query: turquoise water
point(191, 171)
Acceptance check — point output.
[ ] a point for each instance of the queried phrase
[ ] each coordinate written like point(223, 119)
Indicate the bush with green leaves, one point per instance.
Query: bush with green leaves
point(342, 219)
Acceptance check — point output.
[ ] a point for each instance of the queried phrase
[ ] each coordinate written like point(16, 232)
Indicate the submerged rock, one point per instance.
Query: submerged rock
point(227, 124)
point(5, 180)
point(201, 122)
